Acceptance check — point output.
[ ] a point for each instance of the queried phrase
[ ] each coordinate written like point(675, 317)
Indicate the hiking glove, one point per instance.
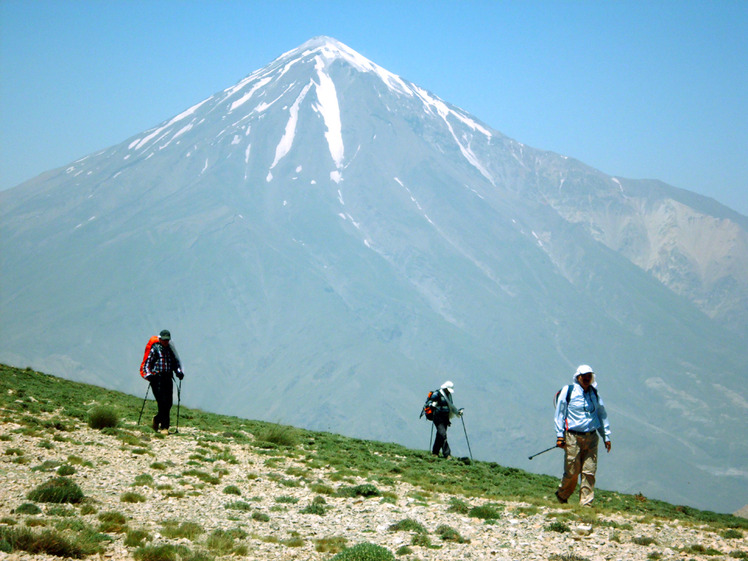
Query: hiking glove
point(560, 443)
point(180, 374)
point(460, 412)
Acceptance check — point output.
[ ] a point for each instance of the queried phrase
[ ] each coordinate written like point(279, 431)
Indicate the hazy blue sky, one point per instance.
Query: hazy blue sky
point(640, 89)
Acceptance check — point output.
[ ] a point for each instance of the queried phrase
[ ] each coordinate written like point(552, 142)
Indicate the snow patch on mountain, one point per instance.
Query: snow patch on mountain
point(140, 143)
point(286, 141)
point(328, 106)
point(246, 97)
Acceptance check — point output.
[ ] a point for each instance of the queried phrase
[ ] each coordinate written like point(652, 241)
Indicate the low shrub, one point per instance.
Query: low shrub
point(322, 489)
point(143, 480)
point(190, 530)
point(330, 545)
point(65, 470)
point(60, 511)
point(46, 543)
point(458, 506)
point(222, 541)
point(279, 435)
point(421, 540)
point(131, 497)
point(364, 552)
point(260, 516)
point(101, 417)
point(286, 499)
point(408, 525)
point(559, 527)
point(314, 508)
point(366, 490)
point(239, 505)
point(232, 490)
point(485, 512)
point(28, 508)
point(449, 534)
point(164, 552)
point(57, 490)
point(112, 522)
point(136, 538)
point(732, 534)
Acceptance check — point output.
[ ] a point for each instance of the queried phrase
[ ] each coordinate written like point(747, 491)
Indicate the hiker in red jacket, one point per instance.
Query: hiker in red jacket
point(162, 361)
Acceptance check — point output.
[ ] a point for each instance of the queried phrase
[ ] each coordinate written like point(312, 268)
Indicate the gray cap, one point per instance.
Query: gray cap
point(164, 335)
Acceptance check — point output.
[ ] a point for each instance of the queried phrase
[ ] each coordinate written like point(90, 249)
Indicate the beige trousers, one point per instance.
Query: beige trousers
point(580, 460)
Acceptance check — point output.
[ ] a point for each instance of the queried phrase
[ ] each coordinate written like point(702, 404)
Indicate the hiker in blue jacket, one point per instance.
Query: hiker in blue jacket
point(580, 417)
point(444, 410)
point(158, 368)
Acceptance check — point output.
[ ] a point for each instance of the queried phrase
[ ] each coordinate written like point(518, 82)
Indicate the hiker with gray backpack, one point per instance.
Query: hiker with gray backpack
point(580, 418)
point(440, 409)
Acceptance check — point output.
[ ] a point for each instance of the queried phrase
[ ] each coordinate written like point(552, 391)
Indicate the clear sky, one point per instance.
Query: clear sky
point(639, 89)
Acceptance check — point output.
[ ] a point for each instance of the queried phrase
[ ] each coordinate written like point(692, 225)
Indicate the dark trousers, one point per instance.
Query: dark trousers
point(163, 389)
point(441, 422)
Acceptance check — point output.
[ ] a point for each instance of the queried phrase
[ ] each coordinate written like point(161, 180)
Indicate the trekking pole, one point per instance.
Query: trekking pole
point(543, 452)
point(144, 400)
point(179, 401)
point(466, 437)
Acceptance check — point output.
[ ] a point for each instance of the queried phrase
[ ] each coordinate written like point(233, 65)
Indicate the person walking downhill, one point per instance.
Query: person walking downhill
point(162, 361)
point(580, 417)
point(444, 410)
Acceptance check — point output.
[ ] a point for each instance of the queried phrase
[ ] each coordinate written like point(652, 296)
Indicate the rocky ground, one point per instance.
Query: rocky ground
point(198, 477)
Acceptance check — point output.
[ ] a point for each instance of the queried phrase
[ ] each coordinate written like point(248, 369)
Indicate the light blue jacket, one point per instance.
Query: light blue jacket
point(585, 412)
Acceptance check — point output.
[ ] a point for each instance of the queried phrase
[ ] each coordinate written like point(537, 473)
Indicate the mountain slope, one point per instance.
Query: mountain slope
point(327, 242)
point(224, 485)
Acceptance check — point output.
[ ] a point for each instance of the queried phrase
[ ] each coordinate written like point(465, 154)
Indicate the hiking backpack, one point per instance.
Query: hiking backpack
point(429, 407)
point(148, 346)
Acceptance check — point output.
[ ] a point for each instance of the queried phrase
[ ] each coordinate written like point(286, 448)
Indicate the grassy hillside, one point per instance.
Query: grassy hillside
point(44, 412)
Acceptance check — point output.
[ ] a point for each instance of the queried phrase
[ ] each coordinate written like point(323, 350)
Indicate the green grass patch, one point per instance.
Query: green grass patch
point(408, 525)
point(449, 534)
point(232, 490)
point(28, 508)
point(364, 552)
point(366, 490)
point(112, 522)
point(174, 529)
point(559, 527)
point(485, 512)
point(131, 497)
point(57, 490)
point(278, 435)
point(102, 417)
point(332, 544)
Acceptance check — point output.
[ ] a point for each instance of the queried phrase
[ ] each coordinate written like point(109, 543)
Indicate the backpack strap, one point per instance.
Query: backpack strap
point(568, 398)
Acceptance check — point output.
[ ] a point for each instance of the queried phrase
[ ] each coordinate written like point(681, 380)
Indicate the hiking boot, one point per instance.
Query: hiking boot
point(154, 424)
point(164, 431)
point(562, 501)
